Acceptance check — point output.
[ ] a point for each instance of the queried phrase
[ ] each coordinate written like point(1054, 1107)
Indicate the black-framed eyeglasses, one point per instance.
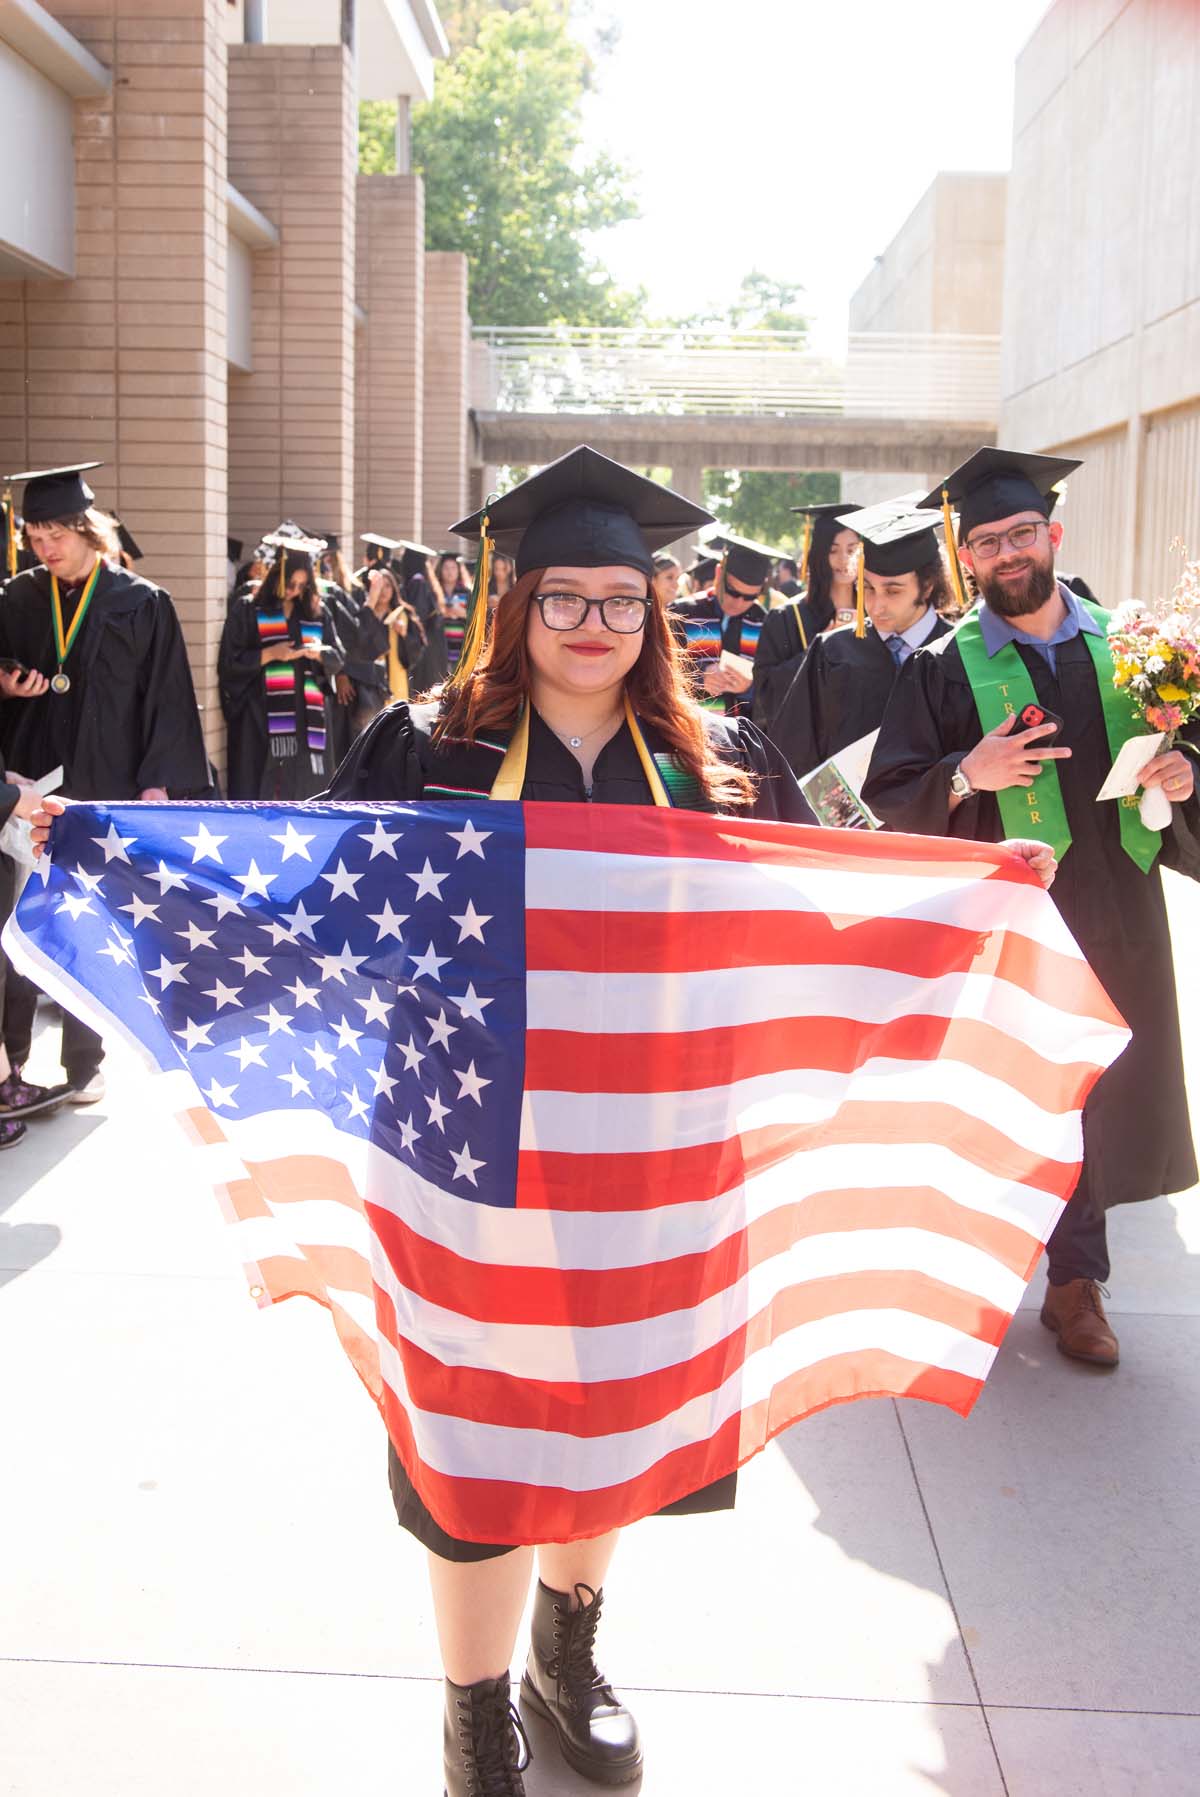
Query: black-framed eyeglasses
point(1022, 536)
point(567, 611)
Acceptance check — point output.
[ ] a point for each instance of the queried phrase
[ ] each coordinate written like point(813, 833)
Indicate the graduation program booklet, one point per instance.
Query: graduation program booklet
point(834, 790)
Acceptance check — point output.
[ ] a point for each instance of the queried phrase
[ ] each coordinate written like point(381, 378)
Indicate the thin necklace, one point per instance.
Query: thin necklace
point(577, 742)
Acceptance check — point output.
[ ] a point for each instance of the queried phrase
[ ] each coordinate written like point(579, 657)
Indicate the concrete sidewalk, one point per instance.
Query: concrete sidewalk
point(204, 1588)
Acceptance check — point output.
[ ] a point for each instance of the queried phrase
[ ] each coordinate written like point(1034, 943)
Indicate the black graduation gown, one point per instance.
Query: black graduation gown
point(244, 699)
point(431, 660)
point(788, 634)
point(130, 720)
point(395, 758)
point(344, 608)
point(838, 696)
point(1137, 1137)
point(703, 629)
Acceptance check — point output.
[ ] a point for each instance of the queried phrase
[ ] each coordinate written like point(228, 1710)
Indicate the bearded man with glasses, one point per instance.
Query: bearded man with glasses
point(1015, 715)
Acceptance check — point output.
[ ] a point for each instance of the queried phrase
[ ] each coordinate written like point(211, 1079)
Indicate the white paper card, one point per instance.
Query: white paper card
point(741, 665)
point(1126, 774)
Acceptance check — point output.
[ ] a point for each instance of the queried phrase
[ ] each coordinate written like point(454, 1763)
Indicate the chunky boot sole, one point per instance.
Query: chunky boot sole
point(599, 1774)
point(1102, 1360)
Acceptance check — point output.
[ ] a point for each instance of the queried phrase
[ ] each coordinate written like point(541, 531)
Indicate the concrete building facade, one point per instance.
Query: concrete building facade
point(942, 273)
point(1101, 351)
point(199, 290)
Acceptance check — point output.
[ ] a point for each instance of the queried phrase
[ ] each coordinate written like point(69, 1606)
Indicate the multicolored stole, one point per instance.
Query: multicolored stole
point(704, 641)
point(280, 679)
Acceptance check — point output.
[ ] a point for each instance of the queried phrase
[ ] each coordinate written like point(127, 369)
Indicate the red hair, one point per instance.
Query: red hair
point(657, 685)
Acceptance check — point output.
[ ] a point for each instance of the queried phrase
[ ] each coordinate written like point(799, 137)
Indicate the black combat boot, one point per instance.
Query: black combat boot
point(486, 1747)
point(596, 1733)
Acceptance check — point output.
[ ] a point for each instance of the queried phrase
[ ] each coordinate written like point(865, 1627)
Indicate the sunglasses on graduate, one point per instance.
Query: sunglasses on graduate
point(567, 611)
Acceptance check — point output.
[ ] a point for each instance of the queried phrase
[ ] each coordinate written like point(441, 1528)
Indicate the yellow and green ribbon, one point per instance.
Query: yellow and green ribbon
point(64, 640)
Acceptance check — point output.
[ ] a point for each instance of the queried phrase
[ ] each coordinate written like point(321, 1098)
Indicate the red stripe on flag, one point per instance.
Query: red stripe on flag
point(596, 1297)
point(522, 1514)
point(612, 1406)
point(692, 1061)
point(552, 1180)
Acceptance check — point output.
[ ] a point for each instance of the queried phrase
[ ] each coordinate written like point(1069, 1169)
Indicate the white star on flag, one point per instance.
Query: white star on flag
point(376, 1009)
point(384, 1082)
point(428, 884)
point(336, 967)
point(247, 1054)
point(89, 882)
point(194, 1034)
point(465, 1165)
point(347, 1036)
point(251, 963)
point(297, 1081)
point(224, 995)
point(357, 1107)
point(470, 1083)
point(205, 846)
point(221, 1095)
point(342, 882)
point(166, 878)
point(116, 952)
point(428, 963)
point(275, 1021)
point(440, 1031)
point(293, 843)
point(79, 902)
point(322, 1060)
point(408, 1135)
point(140, 911)
point(168, 973)
point(114, 845)
point(255, 883)
point(470, 1004)
point(222, 904)
point(413, 1056)
point(380, 841)
point(470, 923)
point(300, 921)
point(470, 840)
point(389, 921)
point(437, 1110)
point(304, 995)
point(194, 936)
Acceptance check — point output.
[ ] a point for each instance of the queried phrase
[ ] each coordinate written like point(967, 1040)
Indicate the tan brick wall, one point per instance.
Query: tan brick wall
point(447, 373)
point(390, 425)
point(292, 153)
point(126, 363)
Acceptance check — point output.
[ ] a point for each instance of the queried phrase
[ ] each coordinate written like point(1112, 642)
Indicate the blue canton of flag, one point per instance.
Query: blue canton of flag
point(364, 962)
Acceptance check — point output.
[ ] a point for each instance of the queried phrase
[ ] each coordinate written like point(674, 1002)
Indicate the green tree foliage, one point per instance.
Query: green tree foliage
point(501, 149)
point(758, 503)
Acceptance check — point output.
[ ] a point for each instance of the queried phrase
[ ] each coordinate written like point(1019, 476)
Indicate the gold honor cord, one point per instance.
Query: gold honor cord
point(860, 603)
point(510, 781)
point(805, 546)
point(10, 532)
point(952, 552)
point(64, 641)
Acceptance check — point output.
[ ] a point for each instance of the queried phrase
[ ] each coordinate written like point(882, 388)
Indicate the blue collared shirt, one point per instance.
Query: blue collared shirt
point(916, 634)
point(998, 631)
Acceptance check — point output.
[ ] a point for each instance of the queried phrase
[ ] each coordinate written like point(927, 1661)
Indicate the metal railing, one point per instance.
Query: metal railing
point(933, 376)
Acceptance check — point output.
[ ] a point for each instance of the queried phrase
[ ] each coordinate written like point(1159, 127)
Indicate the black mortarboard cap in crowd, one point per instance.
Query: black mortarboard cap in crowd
point(894, 544)
point(745, 560)
point(996, 483)
point(52, 493)
point(380, 547)
point(586, 511)
point(127, 541)
point(829, 508)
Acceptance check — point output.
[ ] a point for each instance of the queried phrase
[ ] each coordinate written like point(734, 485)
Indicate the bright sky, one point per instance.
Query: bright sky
point(794, 136)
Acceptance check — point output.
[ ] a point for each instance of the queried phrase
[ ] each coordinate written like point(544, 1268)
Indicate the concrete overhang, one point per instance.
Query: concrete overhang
point(246, 222)
point(398, 43)
point(34, 34)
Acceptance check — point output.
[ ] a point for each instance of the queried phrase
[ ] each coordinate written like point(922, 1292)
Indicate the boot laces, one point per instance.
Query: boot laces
point(575, 1667)
point(1090, 1297)
point(499, 1745)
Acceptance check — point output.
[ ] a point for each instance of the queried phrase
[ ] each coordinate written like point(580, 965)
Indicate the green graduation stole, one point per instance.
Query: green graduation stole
point(1001, 685)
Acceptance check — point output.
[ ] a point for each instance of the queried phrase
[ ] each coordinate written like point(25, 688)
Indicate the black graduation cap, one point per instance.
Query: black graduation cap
point(745, 560)
point(586, 511)
point(895, 545)
point(52, 493)
point(830, 508)
point(995, 483)
point(703, 566)
point(379, 548)
point(127, 541)
point(233, 549)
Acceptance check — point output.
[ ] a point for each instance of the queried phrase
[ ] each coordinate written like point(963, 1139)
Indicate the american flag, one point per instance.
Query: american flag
point(615, 1140)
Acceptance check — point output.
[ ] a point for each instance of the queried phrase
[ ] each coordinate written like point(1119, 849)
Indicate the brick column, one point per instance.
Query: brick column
point(126, 363)
point(447, 378)
point(292, 153)
point(390, 419)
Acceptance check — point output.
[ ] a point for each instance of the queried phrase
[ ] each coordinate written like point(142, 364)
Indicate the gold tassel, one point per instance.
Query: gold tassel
point(475, 634)
point(282, 571)
point(397, 672)
point(805, 546)
point(10, 528)
point(952, 553)
point(860, 603)
point(719, 584)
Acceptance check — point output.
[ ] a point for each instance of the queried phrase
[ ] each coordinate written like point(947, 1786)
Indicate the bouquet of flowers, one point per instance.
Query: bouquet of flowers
point(1156, 663)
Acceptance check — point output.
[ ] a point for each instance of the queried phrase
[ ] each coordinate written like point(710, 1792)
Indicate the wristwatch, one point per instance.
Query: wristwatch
point(960, 786)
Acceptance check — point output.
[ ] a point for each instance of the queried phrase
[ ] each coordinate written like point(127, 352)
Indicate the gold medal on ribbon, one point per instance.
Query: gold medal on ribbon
point(64, 640)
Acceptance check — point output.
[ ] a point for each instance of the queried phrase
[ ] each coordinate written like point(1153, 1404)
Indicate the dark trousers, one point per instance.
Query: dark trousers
point(82, 1049)
point(1078, 1248)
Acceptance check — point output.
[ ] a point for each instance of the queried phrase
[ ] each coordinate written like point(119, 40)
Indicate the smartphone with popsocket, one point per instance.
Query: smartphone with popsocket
point(1032, 716)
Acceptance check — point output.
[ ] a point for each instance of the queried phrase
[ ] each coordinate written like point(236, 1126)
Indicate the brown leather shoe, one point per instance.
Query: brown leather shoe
point(1076, 1315)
